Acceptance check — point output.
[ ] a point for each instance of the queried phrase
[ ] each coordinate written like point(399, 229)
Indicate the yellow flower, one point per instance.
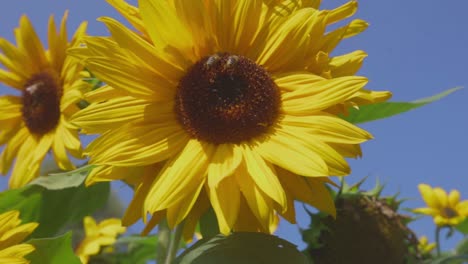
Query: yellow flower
point(223, 104)
point(424, 247)
point(50, 86)
point(98, 235)
point(445, 209)
point(12, 233)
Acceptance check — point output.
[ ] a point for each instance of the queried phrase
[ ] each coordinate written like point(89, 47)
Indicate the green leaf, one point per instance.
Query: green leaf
point(59, 181)
point(372, 112)
point(463, 227)
point(53, 209)
point(458, 259)
point(462, 247)
point(56, 250)
point(130, 250)
point(247, 248)
point(209, 224)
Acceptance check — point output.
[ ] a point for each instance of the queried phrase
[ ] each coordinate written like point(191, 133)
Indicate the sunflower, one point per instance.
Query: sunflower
point(235, 101)
point(424, 246)
point(98, 235)
point(446, 209)
point(12, 233)
point(50, 85)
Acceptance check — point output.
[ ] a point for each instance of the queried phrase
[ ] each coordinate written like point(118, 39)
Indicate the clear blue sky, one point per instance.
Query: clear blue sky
point(416, 49)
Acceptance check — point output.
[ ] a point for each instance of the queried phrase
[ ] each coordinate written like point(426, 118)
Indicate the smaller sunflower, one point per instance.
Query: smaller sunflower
point(446, 209)
point(12, 233)
point(98, 235)
point(50, 84)
point(424, 246)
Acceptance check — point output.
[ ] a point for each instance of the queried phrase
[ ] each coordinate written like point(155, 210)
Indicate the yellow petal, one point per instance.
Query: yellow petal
point(17, 234)
point(111, 114)
point(146, 54)
point(328, 128)
point(134, 80)
point(427, 211)
point(317, 158)
point(329, 42)
point(320, 95)
point(158, 16)
point(30, 44)
point(348, 64)
point(57, 47)
point(226, 159)
point(260, 204)
point(29, 159)
point(131, 13)
point(309, 190)
point(453, 198)
point(15, 254)
point(429, 196)
point(292, 81)
point(15, 61)
point(135, 208)
point(11, 79)
point(247, 221)
point(264, 176)
point(60, 154)
point(287, 152)
point(225, 199)
point(10, 110)
point(181, 175)
point(193, 15)
point(11, 149)
point(236, 24)
point(342, 12)
point(178, 212)
point(441, 196)
point(287, 44)
point(138, 145)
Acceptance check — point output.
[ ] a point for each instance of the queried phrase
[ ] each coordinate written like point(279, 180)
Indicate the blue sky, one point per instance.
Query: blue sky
point(416, 49)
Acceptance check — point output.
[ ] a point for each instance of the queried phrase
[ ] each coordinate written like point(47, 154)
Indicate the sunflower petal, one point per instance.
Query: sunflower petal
point(181, 175)
point(225, 199)
point(226, 159)
point(264, 176)
point(321, 95)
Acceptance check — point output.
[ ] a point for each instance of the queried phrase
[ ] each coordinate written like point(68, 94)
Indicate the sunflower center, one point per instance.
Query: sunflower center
point(449, 212)
point(41, 103)
point(227, 98)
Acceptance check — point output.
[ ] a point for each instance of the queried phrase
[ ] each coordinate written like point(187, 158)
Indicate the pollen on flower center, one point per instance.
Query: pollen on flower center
point(226, 98)
point(41, 103)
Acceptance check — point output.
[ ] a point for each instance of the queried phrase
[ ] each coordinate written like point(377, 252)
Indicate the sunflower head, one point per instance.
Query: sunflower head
point(50, 86)
point(446, 209)
point(224, 104)
point(367, 229)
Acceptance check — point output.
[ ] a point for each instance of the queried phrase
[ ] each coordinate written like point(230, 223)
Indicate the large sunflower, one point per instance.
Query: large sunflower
point(232, 101)
point(50, 85)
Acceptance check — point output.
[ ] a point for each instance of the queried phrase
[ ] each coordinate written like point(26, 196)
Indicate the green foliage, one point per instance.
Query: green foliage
point(55, 204)
point(133, 249)
point(209, 224)
point(247, 248)
point(56, 250)
point(59, 181)
point(463, 227)
point(372, 112)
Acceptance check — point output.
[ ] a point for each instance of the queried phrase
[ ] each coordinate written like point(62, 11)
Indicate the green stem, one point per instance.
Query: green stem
point(174, 244)
point(437, 238)
point(164, 235)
